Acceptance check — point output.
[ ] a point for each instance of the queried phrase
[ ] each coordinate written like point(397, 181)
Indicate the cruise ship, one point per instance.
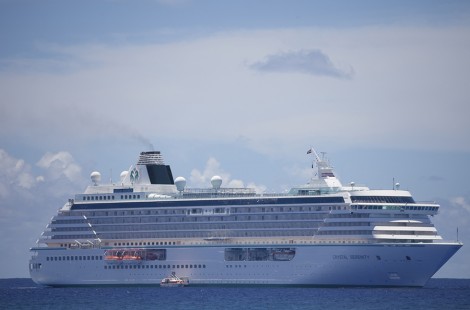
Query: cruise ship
point(149, 225)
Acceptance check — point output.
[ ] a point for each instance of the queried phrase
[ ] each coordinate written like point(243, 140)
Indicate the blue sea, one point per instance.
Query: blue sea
point(437, 294)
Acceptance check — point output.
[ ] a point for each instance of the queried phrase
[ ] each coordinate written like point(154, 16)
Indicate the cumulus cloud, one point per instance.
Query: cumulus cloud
point(60, 164)
point(18, 176)
point(313, 62)
point(453, 223)
point(29, 195)
point(461, 202)
point(202, 178)
point(300, 173)
point(15, 174)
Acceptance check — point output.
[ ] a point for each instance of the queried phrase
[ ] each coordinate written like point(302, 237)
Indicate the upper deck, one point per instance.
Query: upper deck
point(150, 184)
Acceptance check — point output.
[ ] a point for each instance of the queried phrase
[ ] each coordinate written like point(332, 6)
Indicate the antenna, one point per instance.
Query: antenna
point(312, 151)
point(316, 159)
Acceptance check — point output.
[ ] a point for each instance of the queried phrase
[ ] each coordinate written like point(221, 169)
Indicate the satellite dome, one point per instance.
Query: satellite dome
point(123, 175)
point(216, 182)
point(95, 177)
point(180, 183)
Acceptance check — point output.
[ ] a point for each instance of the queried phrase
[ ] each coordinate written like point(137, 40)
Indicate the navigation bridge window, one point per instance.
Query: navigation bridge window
point(259, 254)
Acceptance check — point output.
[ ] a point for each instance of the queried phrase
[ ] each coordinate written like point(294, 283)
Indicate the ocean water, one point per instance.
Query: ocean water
point(437, 294)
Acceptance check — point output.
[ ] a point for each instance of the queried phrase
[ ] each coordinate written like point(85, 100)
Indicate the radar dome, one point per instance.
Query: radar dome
point(123, 175)
point(216, 182)
point(180, 183)
point(95, 177)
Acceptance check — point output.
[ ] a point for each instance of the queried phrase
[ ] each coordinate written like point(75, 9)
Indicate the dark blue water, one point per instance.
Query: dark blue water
point(437, 294)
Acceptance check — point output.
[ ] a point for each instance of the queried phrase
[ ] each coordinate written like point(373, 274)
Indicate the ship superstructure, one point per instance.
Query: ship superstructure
point(321, 233)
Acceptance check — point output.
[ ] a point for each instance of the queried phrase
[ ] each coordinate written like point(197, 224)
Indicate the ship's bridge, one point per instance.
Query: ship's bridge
point(323, 181)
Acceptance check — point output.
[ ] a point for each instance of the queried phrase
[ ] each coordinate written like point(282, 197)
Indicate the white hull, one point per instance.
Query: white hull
point(322, 265)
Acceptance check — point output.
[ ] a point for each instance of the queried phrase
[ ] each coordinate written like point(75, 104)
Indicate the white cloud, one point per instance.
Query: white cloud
point(60, 164)
point(462, 203)
point(301, 173)
point(18, 179)
point(453, 222)
point(202, 179)
point(15, 174)
point(28, 200)
point(313, 62)
point(259, 188)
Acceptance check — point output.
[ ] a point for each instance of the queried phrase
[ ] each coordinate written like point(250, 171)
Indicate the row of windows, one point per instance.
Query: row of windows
point(287, 209)
point(403, 241)
point(237, 218)
point(230, 234)
point(192, 203)
point(368, 232)
point(193, 234)
point(70, 258)
point(340, 224)
point(234, 226)
point(57, 229)
point(131, 243)
point(85, 236)
point(85, 198)
point(417, 217)
point(400, 208)
point(232, 210)
point(186, 219)
point(406, 232)
point(199, 226)
point(336, 224)
point(109, 197)
point(137, 266)
point(344, 232)
point(383, 199)
point(412, 224)
point(144, 243)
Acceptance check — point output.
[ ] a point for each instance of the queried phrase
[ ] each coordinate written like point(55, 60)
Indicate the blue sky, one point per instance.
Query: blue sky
point(237, 88)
